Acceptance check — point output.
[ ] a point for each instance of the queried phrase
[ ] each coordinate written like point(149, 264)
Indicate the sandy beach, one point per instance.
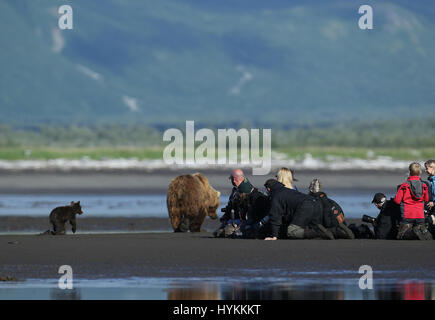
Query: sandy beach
point(145, 247)
point(198, 254)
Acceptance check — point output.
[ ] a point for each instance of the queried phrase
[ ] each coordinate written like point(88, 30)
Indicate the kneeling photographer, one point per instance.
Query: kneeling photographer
point(385, 224)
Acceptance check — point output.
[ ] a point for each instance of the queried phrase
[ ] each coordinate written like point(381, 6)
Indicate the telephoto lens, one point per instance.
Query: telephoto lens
point(368, 219)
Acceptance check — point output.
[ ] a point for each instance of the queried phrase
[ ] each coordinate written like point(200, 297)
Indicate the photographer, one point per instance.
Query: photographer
point(430, 170)
point(246, 205)
point(299, 213)
point(333, 215)
point(386, 224)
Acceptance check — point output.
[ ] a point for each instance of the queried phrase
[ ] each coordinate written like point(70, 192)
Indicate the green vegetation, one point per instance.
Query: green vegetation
point(107, 136)
point(325, 153)
point(411, 133)
point(298, 153)
point(41, 153)
point(406, 140)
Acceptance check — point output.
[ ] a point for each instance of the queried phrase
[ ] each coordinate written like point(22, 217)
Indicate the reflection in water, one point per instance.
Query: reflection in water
point(59, 294)
point(221, 289)
point(407, 290)
point(300, 290)
point(282, 291)
point(202, 291)
point(140, 205)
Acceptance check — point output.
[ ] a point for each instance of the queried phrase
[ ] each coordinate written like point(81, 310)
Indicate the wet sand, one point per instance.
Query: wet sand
point(31, 225)
point(36, 225)
point(143, 252)
point(169, 254)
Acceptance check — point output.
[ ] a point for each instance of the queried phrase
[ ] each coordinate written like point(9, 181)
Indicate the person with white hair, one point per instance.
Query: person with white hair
point(294, 215)
point(246, 206)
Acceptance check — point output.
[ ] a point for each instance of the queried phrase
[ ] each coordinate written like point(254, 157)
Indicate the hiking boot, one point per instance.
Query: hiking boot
point(342, 232)
point(232, 231)
point(323, 233)
point(405, 232)
point(220, 232)
point(422, 233)
point(361, 232)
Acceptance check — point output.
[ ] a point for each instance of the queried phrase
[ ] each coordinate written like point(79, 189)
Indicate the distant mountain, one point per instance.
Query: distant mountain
point(248, 61)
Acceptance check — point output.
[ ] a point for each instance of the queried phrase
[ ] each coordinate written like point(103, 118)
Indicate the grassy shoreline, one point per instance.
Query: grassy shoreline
point(101, 153)
point(325, 153)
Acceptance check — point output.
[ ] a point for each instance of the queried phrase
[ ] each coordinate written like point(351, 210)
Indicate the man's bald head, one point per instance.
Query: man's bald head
point(237, 173)
point(237, 177)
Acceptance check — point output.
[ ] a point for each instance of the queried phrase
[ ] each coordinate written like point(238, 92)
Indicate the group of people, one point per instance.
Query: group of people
point(282, 212)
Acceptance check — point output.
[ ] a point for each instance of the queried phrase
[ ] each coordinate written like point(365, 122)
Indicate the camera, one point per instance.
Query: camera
point(368, 219)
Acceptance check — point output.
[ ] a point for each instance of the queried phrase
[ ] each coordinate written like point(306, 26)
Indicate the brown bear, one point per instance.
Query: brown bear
point(190, 198)
point(61, 215)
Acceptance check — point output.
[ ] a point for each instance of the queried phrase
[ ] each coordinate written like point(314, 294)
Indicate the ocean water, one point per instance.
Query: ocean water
point(308, 288)
point(354, 203)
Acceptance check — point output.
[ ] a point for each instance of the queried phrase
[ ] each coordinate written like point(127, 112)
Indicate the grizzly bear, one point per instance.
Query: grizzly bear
point(190, 198)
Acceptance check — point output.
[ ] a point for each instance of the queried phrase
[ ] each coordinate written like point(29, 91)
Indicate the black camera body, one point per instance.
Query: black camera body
point(368, 219)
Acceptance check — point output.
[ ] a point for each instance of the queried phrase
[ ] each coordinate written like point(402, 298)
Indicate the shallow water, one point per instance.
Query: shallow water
point(354, 203)
point(242, 288)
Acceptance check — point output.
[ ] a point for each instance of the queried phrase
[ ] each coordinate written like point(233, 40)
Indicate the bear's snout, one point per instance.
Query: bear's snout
point(213, 216)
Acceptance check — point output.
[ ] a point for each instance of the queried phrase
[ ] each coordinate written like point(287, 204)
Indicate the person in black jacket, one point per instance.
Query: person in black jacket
point(388, 218)
point(256, 205)
point(246, 206)
point(385, 225)
point(299, 213)
point(333, 215)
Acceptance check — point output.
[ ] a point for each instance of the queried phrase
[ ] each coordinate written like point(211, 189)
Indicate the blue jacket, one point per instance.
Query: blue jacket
point(431, 180)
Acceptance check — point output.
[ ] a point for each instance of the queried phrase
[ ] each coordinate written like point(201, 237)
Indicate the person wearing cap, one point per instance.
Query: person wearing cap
point(299, 213)
point(286, 177)
point(411, 196)
point(388, 219)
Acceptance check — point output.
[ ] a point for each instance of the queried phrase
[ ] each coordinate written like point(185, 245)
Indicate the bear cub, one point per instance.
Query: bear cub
point(60, 215)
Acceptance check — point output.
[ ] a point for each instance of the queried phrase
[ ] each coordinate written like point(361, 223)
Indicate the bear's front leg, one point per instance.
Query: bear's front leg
point(73, 225)
point(197, 222)
point(175, 220)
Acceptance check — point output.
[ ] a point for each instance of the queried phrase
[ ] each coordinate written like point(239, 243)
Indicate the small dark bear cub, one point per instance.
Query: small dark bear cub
point(60, 215)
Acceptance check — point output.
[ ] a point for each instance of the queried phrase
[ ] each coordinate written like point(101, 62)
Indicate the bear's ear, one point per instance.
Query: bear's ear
point(78, 203)
point(72, 203)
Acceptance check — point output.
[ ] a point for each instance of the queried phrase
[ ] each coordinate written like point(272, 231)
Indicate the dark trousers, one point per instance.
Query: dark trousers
point(413, 221)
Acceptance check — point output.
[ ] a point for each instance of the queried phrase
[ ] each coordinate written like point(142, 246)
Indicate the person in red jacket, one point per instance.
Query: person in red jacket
point(411, 196)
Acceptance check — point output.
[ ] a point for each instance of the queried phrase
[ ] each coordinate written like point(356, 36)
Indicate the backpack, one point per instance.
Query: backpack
point(332, 212)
